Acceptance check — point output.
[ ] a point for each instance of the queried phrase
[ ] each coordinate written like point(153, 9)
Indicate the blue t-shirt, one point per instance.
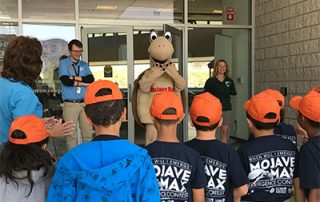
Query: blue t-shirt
point(178, 168)
point(68, 68)
point(271, 163)
point(106, 169)
point(283, 130)
point(223, 168)
point(16, 99)
point(309, 164)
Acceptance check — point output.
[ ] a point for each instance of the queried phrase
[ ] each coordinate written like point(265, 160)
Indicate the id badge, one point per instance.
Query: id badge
point(78, 90)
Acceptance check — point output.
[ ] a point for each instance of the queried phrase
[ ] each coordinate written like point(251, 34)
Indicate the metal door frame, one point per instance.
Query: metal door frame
point(129, 33)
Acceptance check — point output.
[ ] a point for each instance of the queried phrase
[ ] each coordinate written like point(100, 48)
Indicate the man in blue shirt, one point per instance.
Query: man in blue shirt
point(75, 76)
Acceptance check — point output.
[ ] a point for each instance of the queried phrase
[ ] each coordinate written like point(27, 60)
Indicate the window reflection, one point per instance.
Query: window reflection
point(219, 12)
point(167, 11)
point(8, 31)
point(8, 9)
point(48, 9)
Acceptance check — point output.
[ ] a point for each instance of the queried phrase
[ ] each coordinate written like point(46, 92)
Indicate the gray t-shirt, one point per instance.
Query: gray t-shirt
point(13, 193)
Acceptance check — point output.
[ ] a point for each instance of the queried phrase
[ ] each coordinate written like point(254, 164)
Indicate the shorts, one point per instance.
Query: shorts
point(227, 117)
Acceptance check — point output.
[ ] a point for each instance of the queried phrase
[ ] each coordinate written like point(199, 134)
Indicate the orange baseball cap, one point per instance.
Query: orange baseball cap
point(258, 106)
point(277, 95)
point(91, 98)
point(163, 101)
point(309, 105)
point(34, 128)
point(208, 106)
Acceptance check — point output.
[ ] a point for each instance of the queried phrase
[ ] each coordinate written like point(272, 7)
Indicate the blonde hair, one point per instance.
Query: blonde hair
point(215, 69)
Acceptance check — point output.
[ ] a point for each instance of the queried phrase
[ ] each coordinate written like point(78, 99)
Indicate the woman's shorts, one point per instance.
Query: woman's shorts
point(227, 117)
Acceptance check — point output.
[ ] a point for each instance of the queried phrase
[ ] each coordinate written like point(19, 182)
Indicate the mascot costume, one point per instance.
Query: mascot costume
point(161, 76)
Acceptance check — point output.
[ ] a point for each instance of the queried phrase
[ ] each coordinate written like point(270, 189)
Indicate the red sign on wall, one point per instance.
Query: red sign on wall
point(230, 14)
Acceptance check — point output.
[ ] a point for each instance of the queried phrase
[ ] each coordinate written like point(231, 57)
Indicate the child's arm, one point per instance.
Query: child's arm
point(314, 195)
point(298, 192)
point(239, 191)
point(198, 195)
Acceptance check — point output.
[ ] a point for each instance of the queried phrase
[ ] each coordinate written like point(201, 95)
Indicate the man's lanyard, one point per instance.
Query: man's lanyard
point(75, 71)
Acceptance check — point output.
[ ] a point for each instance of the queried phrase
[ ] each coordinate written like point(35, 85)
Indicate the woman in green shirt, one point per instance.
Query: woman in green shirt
point(222, 86)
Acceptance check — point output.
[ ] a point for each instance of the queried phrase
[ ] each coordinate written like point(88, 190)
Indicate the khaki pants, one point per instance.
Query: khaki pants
point(75, 112)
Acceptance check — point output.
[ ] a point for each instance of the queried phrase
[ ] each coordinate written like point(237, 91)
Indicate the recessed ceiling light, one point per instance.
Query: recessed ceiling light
point(169, 10)
point(106, 8)
point(217, 11)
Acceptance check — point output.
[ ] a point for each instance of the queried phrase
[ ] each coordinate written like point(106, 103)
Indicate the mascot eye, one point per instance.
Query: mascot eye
point(153, 36)
point(168, 36)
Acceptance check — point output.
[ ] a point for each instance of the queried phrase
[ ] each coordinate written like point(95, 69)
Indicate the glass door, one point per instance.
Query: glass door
point(177, 58)
point(141, 63)
point(109, 52)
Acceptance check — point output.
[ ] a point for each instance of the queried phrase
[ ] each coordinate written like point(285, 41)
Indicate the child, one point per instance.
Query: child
point(309, 164)
point(283, 129)
point(179, 169)
point(107, 168)
point(222, 165)
point(269, 161)
point(26, 168)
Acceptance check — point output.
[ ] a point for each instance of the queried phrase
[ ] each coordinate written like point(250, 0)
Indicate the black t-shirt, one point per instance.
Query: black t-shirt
point(283, 130)
point(178, 168)
point(106, 137)
point(223, 168)
point(271, 163)
point(309, 164)
point(221, 90)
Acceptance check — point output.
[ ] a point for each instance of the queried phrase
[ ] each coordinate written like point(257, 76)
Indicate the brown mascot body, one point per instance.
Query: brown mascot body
point(161, 76)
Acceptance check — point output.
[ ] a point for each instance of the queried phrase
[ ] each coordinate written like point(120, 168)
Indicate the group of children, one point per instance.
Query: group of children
point(108, 168)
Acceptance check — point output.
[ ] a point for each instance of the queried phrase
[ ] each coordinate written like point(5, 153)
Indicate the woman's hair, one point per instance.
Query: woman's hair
point(22, 60)
point(28, 157)
point(215, 70)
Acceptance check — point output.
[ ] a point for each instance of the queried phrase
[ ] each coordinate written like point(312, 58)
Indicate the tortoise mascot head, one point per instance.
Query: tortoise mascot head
point(161, 76)
point(160, 49)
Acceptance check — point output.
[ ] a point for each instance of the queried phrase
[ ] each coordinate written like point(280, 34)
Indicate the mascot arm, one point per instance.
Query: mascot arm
point(149, 77)
point(178, 80)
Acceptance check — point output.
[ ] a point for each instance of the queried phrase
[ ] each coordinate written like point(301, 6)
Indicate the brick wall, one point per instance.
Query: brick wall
point(287, 52)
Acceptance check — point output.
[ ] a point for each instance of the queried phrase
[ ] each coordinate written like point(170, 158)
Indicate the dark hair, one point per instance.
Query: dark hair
point(169, 111)
point(62, 57)
point(263, 126)
point(312, 123)
point(75, 42)
point(22, 60)
point(282, 114)
point(206, 128)
point(15, 157)
point(105, 113)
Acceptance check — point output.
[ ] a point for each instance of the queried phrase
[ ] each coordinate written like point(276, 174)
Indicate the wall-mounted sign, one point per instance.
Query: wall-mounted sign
point(230, 14)
point(107, 71)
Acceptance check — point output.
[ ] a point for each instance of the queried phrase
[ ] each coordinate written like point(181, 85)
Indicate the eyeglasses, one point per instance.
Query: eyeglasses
point(77, 51)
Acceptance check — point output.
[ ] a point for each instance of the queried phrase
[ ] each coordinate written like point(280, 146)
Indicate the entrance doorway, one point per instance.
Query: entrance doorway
point(120, 54)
